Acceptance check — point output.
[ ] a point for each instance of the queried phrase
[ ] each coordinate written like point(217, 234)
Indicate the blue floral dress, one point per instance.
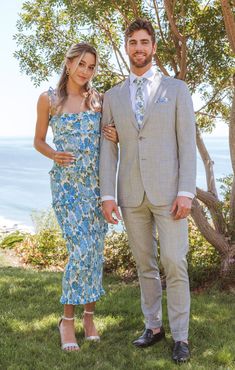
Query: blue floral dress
point(76, 202)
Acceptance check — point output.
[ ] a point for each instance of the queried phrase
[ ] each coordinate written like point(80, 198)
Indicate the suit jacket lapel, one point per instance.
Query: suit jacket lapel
point(126, 102)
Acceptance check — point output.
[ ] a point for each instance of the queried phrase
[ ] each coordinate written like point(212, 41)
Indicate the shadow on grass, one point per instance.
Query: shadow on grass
point(29, 339)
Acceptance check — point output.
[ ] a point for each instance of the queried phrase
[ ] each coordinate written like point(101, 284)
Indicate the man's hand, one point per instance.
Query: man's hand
point(108, 208)
point(181, 207)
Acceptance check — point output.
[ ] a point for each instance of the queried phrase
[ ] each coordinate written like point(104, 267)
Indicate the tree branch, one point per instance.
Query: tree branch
point(169, 12)
point(177, 44)
point(183, 45)
point(208, 164)
point(229, 23)
point(178, 39)
point(232, 130)
point(232, 212)
point(232, 154)
point(214, 206)
point(212, 100)
point(115, 47)
point(120, 11)
point(157, 59)
point(211, 235)
point(209, 115)
point(206, 5)
point(160, 65)
point(183, 61)
point(117, 59)
point(134, 8)
point(159, 22)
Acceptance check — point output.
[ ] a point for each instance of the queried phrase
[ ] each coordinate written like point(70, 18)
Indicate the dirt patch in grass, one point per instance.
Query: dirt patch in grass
point(9, 258)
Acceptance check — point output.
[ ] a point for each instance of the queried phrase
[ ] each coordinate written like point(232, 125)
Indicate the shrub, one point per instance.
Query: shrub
point(118, 256)
point(12, 239)
point(44, 220)
point(203, 259)
point(47, 248)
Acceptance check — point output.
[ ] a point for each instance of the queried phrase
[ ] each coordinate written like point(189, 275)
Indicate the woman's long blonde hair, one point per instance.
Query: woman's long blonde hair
point(92, 99)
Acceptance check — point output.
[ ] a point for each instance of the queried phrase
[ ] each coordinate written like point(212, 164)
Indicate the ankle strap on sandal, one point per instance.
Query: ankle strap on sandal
point(89, 312)
point(68, 318)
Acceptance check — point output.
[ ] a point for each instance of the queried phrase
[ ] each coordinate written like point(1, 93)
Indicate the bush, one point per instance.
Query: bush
point(43, 250)
point(44, 220)
point(203, 259)
point(118, 256)
point(47, 248)
point(12, 239)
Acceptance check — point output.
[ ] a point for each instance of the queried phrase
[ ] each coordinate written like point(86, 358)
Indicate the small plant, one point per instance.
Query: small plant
point(46, 248)
point(118, 256)
point(43, 250)
point(203, 259)
point(44, 220)
point(12, 239)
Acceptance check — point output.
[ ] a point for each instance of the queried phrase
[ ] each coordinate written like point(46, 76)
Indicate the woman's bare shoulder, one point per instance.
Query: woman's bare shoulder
point(43, 100)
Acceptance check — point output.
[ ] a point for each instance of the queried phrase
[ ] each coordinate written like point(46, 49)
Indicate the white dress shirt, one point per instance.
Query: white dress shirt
point(150, 75)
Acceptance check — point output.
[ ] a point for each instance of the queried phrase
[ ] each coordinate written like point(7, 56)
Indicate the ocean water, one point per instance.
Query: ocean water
point(24, 179)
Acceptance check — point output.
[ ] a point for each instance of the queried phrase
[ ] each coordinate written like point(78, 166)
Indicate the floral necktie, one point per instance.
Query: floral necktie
point(139, 100)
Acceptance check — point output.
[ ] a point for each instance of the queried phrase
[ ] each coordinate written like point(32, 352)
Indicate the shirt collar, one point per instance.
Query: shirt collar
point(149, 75)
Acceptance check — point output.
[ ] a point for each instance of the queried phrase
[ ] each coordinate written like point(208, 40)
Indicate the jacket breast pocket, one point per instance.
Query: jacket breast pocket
point(161, 110)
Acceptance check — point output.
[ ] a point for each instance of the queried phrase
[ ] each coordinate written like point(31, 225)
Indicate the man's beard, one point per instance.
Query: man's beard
point(142, 64)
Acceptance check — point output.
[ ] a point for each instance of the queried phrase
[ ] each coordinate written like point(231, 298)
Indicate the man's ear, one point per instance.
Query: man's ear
point(154, 48)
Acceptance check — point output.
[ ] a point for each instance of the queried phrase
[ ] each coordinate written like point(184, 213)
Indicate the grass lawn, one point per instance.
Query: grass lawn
point(29, 338)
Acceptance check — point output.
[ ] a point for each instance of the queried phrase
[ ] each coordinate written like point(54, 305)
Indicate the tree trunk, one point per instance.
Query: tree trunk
point(227, 267)
point(232, 154)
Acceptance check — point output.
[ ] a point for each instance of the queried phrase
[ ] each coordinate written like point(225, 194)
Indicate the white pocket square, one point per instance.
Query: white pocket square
point(162, 99)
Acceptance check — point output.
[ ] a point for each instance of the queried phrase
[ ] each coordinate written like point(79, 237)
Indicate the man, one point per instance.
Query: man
point(154, 118)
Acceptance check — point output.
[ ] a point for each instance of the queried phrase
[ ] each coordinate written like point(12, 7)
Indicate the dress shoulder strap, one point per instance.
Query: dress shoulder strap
point(52, 101)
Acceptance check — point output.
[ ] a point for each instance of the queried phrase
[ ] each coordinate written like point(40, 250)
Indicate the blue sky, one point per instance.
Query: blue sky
point(18, 95)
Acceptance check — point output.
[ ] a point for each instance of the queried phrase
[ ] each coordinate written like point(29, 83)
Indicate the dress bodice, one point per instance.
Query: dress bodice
point(78, 133)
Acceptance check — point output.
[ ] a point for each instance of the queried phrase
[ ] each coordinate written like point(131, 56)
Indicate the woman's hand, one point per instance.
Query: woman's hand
point(110, 133)
point(63, 158)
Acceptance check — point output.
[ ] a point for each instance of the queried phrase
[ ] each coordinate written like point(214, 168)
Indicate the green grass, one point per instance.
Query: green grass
point(29, 338)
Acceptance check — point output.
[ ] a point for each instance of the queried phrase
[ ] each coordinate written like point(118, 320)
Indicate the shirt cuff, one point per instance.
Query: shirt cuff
point(185, 194)
point(107, 197)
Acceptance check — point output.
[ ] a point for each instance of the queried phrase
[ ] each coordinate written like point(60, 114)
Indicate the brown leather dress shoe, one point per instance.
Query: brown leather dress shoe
point(148, 338)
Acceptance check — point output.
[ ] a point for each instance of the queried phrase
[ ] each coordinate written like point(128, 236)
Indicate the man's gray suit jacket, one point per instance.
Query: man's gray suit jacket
point(160, 158)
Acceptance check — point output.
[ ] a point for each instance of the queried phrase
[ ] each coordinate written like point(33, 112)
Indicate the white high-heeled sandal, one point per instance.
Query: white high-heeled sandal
point(95, 338)
point(65, 346)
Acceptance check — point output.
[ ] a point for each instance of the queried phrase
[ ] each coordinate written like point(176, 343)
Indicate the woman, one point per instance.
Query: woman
point(73, 111)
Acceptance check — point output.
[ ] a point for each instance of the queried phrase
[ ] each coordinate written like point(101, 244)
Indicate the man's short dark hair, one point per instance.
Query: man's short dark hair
point(140, 24)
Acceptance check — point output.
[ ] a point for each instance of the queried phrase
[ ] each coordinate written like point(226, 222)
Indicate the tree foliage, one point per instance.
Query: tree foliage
point(47, 28)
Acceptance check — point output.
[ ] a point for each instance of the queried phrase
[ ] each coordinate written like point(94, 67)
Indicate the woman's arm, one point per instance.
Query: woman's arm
point(62, 158)
point(42, 127)
point(110, 133)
